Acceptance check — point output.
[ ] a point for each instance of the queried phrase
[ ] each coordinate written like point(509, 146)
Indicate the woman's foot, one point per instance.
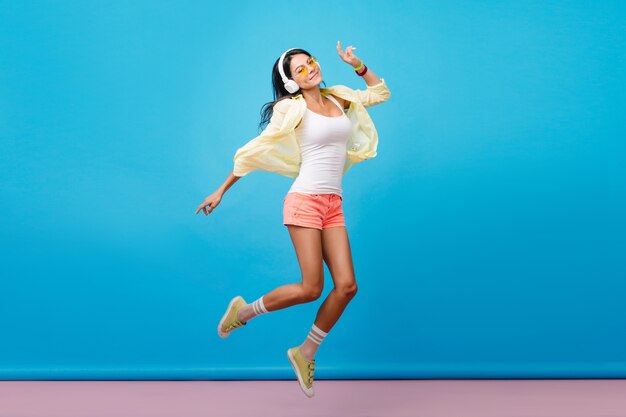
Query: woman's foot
point(229, 320)
point(304, 370)
point(306, 352)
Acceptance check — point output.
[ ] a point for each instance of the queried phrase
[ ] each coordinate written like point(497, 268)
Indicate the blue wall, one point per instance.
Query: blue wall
point(488, 234)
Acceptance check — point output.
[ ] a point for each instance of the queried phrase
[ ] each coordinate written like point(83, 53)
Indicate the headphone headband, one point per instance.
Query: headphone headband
point(290, 85)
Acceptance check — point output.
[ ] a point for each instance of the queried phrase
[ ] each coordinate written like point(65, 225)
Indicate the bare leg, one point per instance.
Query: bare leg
point(337, 254)
point(308, 245)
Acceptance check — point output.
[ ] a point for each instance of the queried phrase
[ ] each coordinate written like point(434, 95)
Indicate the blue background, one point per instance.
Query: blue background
point(488, 235)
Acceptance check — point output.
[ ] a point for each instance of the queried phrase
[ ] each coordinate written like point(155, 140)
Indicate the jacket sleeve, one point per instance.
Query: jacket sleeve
point(374, 94)
point(249, 157)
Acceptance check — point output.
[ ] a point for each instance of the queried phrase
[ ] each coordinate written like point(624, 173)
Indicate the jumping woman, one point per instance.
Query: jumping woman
point(314, 135)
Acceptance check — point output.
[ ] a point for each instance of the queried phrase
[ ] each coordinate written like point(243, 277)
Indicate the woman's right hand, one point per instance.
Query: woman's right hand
point(211, 202)
point(348, 56)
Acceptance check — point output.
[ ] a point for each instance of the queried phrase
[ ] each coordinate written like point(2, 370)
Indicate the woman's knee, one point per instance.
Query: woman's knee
point(347, 290)
point(311, 292)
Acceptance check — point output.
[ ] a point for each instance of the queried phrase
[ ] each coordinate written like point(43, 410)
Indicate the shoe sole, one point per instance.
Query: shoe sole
point(219, 326)
point(295, 367)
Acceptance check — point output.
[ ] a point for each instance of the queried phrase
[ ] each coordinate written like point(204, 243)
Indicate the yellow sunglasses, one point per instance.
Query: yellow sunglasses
point(303, 71)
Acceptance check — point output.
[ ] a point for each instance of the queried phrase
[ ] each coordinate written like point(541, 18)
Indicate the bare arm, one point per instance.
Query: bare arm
point(232, 178)
point(370, 78)
point(348, 57)
point(214, 199)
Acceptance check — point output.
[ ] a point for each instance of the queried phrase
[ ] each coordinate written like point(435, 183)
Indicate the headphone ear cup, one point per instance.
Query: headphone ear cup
point(291, 86)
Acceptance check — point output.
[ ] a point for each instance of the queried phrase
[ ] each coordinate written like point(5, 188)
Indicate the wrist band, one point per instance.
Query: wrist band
point(362, 72)
point(359, 67)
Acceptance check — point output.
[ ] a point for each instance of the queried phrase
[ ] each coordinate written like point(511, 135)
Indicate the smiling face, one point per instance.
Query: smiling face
point(305, 71)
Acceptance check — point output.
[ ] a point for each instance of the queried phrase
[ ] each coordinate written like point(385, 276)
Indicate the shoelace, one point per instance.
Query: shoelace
point(311, 368)
point(235, 324)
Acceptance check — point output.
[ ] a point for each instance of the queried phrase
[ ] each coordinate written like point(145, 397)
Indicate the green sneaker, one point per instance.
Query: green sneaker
point(229, 320)
point(304, 370)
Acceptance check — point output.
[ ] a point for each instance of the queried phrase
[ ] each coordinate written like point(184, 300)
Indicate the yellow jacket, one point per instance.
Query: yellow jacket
point(277, 150)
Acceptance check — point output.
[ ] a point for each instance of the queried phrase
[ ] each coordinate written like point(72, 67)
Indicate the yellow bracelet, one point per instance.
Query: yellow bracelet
point(360, 67)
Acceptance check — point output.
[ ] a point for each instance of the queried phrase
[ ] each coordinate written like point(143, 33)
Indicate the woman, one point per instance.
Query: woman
point(314, 135)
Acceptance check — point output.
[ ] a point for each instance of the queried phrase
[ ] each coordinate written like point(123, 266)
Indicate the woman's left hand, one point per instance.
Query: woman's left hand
point(348, 56)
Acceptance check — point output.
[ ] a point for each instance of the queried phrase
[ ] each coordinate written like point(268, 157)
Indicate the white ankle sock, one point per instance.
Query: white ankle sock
point(258, 307)
point(316, 335)
point(255, 309)
point(309, 347)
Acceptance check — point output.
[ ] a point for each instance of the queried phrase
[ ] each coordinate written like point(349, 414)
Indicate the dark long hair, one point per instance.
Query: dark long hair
point(280, 93)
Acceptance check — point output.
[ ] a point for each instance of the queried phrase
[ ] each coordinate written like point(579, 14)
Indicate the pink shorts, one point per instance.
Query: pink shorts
point(313, 210)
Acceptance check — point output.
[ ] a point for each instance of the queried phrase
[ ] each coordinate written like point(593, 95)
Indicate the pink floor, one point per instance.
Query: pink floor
point(374, 398)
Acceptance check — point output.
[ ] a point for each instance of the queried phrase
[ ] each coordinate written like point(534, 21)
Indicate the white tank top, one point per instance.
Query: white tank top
point(322, 142)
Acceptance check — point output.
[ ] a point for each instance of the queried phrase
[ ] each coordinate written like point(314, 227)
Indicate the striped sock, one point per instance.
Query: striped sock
point(317, 335)
point(258, 307)
point(252, 310)
point(313, 341)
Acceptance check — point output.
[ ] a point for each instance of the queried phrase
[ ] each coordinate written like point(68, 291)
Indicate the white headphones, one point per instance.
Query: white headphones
point(290, 85)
